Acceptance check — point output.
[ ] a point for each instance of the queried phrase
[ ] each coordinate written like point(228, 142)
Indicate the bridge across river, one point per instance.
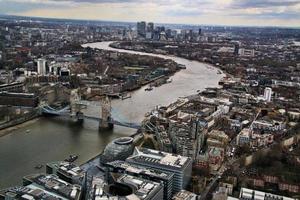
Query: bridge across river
point(67, 111)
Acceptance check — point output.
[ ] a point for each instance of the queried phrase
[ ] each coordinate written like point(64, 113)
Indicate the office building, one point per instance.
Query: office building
point(186, 137)
point(149, 35)
point(19, 99)
point(29, 192)
point(199, 31)
point(41, 66)
point(268, 94)
point(236, 48)
point(123, 186)
point(246, 193)
point(144, 172)
point(247, 52)
point(141, 29)
point(166, 162)
point(54, 184)
point(118, 149)
point(142, 189)
point(67, 171)
point(150, 27)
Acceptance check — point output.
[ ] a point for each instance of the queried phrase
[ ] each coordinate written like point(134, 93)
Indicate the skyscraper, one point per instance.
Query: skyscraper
point(268, 94)
point(200, 31)
point(150, 27)
point(41, 66)
point(236, 48)
point(141, 29)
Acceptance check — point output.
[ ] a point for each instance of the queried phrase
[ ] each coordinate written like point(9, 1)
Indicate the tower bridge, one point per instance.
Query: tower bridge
point(104, 123)
point(101, 112)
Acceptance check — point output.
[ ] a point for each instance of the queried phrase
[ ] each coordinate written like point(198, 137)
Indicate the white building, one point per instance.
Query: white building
point(246, 193)
point(184, 195)
point(247, 52)
point(41, 66)
point(268, 94)
point(180, 166)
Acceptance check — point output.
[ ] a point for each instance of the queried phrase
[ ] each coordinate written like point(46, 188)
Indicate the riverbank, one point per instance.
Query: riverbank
point(115, 45)
point(220, 70)
point(10, 129)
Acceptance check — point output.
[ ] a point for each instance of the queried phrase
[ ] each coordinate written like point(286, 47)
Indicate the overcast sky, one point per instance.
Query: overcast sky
point(217, 12)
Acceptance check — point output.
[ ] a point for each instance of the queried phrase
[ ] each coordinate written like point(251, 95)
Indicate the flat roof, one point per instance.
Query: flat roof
point(15, 94)
point(159, 157)
point(31, 192)
point(136, 169)
point(11, 84)
point(52, 182)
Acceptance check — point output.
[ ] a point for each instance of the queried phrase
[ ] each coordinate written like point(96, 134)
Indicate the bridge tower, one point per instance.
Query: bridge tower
point(105, 122)
point(75, 107)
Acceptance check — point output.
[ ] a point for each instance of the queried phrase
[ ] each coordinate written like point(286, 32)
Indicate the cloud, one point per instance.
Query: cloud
point(228, 12)
point(269, 15)
point(19, 6)
point(266, 9)
point(244, 4)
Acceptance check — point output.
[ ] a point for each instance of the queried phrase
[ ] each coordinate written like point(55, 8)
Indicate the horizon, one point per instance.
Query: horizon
point(160, 23)
point(248, 13)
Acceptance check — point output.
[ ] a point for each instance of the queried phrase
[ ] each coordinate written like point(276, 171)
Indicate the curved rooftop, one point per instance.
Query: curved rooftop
point(118, 149)
point(123, 140)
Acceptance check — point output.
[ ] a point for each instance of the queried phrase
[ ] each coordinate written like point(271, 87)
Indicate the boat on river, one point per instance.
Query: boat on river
point(125, 96)
point(169, 80)
point(40, 166)
point(148, 88)
point(71, 158)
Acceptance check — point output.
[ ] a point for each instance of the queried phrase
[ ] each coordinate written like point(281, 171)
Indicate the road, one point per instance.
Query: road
point(218, 175)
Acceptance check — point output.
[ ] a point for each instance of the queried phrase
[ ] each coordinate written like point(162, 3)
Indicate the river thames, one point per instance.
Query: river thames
point(53, 139)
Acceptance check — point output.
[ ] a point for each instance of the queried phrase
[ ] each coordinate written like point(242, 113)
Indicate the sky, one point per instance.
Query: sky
point(210, 12)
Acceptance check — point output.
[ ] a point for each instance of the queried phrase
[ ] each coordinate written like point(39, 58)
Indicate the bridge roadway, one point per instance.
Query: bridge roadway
point(116, 122)
point(66, 112)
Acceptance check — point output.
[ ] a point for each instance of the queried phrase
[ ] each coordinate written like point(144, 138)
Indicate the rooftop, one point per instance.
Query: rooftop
point(158, 157)
point(129, 167)
point(123, 140)
point(68, 169)
point(142, 188)
point(30, 192)
point(184, 195)
point(54, 184)
point(13, 94)
point(255, 194)
point(131, 188)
